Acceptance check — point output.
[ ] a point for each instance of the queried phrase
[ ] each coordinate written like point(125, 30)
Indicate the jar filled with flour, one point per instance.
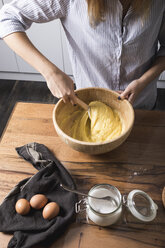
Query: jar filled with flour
point(107, 212)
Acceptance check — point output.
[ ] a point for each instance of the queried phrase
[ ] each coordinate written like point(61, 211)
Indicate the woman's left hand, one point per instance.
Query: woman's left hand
point(135, 87)
point(132, 91)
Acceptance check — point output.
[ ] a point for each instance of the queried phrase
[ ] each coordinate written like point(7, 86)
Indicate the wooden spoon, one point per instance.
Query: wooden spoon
point(82, 104)
point(163, 197)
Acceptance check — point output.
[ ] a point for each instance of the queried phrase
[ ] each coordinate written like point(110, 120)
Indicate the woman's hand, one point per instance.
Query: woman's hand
point(58, 82)
point(135, 87)
point(132, 91)
point(61, 86)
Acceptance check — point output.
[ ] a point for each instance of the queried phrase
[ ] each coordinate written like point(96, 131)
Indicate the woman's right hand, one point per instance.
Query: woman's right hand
point(61, 86)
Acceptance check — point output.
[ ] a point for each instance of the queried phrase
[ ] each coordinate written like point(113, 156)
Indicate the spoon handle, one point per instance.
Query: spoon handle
point(72, 190)
point(81, 103)
point(80, 193)
point(106, 198)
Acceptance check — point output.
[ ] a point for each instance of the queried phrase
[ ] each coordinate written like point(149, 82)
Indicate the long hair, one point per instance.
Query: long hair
point(97, 9)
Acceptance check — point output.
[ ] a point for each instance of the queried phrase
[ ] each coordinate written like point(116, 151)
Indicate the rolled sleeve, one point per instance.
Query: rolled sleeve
point(18, 15)
point(161, 38)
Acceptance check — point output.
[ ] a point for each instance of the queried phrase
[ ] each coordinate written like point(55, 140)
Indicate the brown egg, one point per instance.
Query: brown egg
point(38, 201)
point(22, 206)
point(51, 210)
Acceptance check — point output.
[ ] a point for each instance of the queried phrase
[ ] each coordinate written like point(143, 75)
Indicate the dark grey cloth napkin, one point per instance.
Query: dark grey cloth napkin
point(32, 229)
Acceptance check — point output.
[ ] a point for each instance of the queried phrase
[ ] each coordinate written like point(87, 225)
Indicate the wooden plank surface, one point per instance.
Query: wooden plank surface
point(25, 91)
point(139, 163)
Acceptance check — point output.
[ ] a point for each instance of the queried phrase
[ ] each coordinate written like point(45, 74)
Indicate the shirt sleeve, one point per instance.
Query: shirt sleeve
point(161, 38)
point(20, 14)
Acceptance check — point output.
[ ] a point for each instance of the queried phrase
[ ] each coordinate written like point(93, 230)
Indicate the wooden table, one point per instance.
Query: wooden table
point(139, 163)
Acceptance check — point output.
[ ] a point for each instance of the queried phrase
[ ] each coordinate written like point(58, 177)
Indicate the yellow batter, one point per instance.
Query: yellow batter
point(104, 123)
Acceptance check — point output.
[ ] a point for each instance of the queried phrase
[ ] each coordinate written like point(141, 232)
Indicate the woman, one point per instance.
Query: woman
point(112, 44)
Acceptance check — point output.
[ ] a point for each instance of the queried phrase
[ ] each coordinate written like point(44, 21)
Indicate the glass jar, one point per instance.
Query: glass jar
point(105, 213)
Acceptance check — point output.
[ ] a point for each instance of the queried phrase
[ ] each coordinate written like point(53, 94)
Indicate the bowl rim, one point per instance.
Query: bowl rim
point(93, 143)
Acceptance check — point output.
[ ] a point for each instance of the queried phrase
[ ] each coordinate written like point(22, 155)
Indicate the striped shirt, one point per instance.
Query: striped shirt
point(112, 54)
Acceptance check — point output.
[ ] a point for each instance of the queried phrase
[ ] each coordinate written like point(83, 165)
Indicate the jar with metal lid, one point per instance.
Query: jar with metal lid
point(105, 213)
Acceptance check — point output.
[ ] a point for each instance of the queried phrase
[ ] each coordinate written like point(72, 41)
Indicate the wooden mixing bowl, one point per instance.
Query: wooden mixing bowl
point(108, 97)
